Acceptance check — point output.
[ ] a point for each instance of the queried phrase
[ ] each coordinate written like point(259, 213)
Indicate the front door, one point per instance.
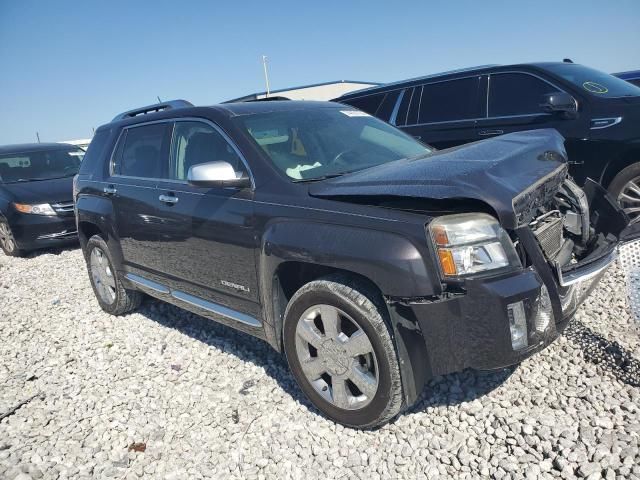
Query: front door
point(208, 242)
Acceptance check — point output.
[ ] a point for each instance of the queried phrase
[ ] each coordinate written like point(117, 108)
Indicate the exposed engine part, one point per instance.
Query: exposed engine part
point(580, 207)
point(548, 230)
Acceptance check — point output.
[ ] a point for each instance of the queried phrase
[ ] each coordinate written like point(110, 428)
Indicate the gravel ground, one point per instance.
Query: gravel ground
point(162, 393)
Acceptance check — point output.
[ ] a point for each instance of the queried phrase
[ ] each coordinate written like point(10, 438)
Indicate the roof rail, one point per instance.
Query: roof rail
point(157, 107)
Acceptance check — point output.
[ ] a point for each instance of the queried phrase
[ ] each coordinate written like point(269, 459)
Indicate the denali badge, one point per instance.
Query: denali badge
point(235, 286)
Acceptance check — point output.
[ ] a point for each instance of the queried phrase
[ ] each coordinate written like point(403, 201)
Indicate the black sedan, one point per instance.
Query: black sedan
point(36, 196)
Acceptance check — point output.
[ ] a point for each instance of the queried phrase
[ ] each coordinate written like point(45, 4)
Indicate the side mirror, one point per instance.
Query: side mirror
point(216, 174)
point(559, 102)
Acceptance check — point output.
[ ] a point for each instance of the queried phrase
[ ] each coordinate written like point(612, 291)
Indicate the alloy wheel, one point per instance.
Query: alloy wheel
point(6, 240)
point(102, 275)
point(629, 199)
point(336, 357)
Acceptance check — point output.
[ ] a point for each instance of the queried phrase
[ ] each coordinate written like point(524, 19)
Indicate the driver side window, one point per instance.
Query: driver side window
point(197, 142)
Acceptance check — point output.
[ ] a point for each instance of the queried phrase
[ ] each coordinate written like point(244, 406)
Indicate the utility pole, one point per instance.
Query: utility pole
point(38, 137)
point(266, 73)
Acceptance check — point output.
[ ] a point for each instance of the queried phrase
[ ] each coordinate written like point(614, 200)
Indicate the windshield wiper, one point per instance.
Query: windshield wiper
point(322, 177)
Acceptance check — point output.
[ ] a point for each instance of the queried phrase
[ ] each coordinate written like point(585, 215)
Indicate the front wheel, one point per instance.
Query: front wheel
point(8, 242)
point(625, 188)
point(340, 352)
point(110, 293)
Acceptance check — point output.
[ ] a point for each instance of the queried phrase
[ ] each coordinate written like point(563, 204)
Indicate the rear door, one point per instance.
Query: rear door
point(140, 161)
point(208, 242)
point(441, 113)
point(513, 104)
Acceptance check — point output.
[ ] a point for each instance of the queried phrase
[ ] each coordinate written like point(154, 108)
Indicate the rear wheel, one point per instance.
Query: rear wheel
point(8, 242)
point(625, 187)
point(340, 351)
point(110, 293)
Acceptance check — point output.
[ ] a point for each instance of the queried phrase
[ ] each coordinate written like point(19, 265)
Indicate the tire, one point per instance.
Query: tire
point(8, 242)
point(627, 184)
point(340, 384)
point(107, 286)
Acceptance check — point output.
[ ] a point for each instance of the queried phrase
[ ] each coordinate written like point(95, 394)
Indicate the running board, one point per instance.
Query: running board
point(195, 301)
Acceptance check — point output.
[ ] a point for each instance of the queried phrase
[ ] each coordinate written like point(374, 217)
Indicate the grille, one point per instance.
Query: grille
point(63, 207)
point(539, 195)
point(548, 231)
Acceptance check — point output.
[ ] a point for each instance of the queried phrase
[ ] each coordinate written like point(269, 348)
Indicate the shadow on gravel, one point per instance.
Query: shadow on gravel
point(52, 251)
point(465, 386)
point(608, 355)
point(446, 390)
point(244, 346)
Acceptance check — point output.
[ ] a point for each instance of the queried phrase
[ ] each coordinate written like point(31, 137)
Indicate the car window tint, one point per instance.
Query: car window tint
point(369, 103)
point(516, 94)
point(143, 153)
point(414, 106)
point(95, 151)
point(386, 107)
point(401, 117)
point(450, 100)
point(197, 142)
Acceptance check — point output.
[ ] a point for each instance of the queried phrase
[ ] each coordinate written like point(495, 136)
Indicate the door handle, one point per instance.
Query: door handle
point(168, 199)
point(486, 133)
point(110, 190)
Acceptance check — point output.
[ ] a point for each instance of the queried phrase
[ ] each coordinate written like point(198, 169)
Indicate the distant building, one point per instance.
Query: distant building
point(317, 91)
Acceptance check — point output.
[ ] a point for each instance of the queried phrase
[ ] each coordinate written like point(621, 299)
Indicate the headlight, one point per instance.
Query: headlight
point(40, 209)
point(471, 243)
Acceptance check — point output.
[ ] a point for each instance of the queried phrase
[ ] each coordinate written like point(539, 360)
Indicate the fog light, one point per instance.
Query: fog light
point(517, 325)
point(545, 311)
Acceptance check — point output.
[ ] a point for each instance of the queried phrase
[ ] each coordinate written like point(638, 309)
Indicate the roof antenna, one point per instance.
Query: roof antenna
point(158, 97)
point(266, 73)
point(567, 60)
point(38, 136)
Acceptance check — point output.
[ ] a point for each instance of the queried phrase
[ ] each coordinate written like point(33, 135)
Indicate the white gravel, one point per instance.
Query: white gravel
point(208, 402)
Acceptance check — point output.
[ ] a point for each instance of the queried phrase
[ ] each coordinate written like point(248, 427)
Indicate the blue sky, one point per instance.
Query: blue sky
point(68, 66)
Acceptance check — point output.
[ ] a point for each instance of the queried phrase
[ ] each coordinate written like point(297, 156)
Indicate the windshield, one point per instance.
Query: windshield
point(309, 144)
point(39, 165)
point(595, 82)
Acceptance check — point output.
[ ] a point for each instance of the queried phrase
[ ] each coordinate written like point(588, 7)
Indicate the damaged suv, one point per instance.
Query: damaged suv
point(371, 261)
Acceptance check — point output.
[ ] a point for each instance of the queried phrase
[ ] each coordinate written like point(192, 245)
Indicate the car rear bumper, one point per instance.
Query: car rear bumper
point(40, 231)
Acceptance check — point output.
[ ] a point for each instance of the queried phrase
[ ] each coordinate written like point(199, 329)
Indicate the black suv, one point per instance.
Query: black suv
point(372, 262)
point(597, 113)
point(36, 198)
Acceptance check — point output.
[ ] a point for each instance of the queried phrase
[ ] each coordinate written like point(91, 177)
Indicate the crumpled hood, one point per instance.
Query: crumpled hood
point(494, 171)
point(40, 191)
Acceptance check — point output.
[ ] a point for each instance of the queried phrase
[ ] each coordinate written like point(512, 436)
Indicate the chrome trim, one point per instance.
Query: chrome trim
point(143, 282)
point(66, 233)
point(588, 271)
point(616, 120)
point(394, 113)
point(216, 309)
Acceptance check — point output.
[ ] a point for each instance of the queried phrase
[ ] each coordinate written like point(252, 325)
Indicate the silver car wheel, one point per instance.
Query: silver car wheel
point(5, 238)
point(102, 276)
point(337, 357)
point(629, 199)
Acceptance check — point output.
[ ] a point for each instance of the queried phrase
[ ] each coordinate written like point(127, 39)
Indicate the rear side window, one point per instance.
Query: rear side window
point(95, 152)
point(386, 107)
point(368, 104)
point(142, 151)
point(450, 100)
point(516, 94)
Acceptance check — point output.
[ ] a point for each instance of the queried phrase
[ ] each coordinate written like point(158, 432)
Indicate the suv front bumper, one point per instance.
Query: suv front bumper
point(475, 327)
